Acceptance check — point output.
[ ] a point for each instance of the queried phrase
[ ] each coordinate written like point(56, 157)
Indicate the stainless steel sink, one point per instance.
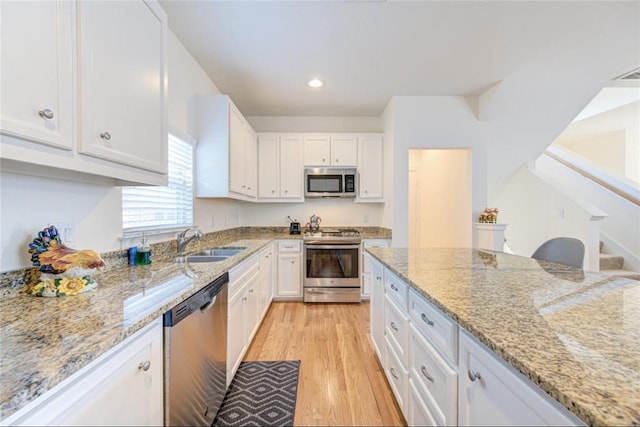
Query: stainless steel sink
point(219, 252)
point(213, 255)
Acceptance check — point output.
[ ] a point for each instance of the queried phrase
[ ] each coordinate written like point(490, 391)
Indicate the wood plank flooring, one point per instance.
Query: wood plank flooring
point(341, 381)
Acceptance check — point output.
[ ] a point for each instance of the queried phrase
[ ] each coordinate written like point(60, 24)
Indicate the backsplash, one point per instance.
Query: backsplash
point(12, 282)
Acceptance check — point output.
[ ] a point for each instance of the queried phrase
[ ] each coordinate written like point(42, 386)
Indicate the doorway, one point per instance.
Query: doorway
point(440, 198)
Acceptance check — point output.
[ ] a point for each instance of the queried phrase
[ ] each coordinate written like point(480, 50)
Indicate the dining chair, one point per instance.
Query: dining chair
point(561, 250)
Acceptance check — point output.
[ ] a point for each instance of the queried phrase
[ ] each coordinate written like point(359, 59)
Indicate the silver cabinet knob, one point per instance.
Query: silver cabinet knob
point(250, 291)
point(323, 160)
point(394, 287)
point(286, 191)
point(473, 375)
point(336, 160)
point(144, 365)
point(293, 262)
point(46, 114)
point(105, 135)
point(378, 278)
point(426, 374)
point(426, 320)
point(273, 191)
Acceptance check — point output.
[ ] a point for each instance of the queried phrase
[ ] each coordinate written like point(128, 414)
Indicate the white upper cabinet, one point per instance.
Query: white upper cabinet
point(37, 71)
point(227, 152)
point(370, 168)
point(84, 88)
point(123, 81)
point(330, 150)
point(280, 168)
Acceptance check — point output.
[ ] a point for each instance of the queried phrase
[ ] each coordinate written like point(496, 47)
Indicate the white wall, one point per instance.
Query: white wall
point(434, 122)
point(536, 211)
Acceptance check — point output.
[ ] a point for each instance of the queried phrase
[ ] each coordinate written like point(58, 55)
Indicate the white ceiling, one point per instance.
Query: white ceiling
point(261, 53)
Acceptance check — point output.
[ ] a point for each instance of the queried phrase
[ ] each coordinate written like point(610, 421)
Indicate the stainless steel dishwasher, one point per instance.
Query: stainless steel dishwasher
point(195, 351)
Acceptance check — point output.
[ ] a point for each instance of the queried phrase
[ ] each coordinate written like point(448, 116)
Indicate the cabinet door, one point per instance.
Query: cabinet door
point(317, 151)
point(251, 161)
point(123, 387)
point(377, 307)
point(266, 280)
point(493, 394)
point(251, 313)
point(37, 71)
point(268, 161)
point(237, 143)
point(344, 151)
point(236, 339)
point(291, 168)
point(289, 275)
point(123, 83)
point(370, 167)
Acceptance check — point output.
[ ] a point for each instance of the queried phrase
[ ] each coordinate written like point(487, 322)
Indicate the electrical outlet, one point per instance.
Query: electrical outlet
point(213, 221)
point(65, 230)
point(366, 219)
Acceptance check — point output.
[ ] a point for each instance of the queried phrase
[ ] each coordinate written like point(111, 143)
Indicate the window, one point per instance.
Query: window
point(162, 208)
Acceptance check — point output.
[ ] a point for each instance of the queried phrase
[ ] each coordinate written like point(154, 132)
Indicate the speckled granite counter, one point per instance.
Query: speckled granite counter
point(576, 334)
point(45, 340)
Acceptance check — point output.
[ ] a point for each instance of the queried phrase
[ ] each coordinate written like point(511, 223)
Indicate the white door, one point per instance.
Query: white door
point(237, 142)
point(251, 161)
point(377, 307)
point(37, 71)
point(291, 168)
point(123, 83)
point(268, 160)
point(236, 341)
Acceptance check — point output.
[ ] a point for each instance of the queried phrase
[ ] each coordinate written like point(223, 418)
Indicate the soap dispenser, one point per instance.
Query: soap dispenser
point(143, 254)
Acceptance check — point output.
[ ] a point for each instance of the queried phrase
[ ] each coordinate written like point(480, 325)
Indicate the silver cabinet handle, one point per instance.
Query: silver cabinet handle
point(394, 287)
point(473, 375)
point(273, 191)
point(293, 262)
point(251, 290)
point(336, 160)
point(46, 114)
point(144, 365)
point(425, 373)
point(394, 327)
point(393, 373)
point(322, 160)
point(244, 298)
point(426, 320)
point(105, 135)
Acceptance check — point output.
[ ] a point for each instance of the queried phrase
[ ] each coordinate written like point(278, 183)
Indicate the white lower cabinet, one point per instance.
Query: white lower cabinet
point(122, 387)
point(289, 281)
point(439, 373)
point(492, 393)
point(366, 263)
point(267, 270)
point(417, 412)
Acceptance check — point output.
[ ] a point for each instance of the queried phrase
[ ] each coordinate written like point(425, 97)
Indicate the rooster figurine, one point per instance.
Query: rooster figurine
point(64, 271)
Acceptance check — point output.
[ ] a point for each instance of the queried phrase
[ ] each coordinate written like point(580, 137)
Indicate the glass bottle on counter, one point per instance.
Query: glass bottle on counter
point(143, 255)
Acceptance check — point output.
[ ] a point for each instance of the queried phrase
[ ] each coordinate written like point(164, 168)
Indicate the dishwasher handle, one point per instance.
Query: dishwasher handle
point(208, 305)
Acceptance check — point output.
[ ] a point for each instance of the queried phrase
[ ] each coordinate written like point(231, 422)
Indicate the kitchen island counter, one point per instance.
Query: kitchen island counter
point(575, 334)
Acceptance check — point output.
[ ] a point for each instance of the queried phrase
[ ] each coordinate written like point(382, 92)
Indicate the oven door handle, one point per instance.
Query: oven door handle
point(312, 246)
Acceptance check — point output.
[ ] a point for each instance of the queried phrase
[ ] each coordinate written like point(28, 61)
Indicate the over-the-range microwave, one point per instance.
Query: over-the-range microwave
point(330, 182)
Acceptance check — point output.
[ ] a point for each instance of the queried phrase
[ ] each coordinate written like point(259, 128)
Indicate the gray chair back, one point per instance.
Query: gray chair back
point(561, 250)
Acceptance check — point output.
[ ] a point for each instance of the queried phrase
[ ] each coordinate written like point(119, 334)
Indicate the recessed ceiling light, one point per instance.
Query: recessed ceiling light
point(315, 83)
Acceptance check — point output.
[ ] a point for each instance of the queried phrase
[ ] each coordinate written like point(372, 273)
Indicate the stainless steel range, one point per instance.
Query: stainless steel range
point(331, 265)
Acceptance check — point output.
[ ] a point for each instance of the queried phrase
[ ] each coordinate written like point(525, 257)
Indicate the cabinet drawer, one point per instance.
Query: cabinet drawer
point(396, 374)
point(434, 377)
point(289, 246)
point(441, 331)
point(397, 288)
point(418, 412)
point(397, 330)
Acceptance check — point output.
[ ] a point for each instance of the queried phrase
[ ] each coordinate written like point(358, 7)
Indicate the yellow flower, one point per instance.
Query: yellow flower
point(71, 285)
point(44, 287)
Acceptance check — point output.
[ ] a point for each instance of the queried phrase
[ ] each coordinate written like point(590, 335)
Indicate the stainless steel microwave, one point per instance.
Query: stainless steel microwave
point(330, 182)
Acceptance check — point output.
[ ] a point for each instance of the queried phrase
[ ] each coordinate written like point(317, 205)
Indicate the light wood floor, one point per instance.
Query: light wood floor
point(341, 381)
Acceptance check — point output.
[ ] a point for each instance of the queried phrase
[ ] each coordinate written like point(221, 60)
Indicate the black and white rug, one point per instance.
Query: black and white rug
point(261, 394)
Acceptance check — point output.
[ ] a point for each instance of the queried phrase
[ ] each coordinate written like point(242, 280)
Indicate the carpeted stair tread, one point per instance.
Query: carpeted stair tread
point(611, 262)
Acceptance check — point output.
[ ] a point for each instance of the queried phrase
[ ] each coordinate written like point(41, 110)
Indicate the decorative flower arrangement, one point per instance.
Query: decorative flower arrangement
point(64, 271)
point(490, 215)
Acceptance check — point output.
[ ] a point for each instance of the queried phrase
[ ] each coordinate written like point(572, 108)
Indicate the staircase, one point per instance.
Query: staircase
point(613, 264)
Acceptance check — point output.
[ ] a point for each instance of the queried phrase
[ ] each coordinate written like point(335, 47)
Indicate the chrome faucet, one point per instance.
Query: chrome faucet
point(182, 242)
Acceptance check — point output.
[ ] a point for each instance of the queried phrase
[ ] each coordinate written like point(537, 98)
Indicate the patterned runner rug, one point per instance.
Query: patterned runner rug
point(261, 394)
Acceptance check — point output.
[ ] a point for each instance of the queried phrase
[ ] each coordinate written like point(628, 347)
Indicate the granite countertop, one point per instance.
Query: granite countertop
point(576, 334)
point(45, 340)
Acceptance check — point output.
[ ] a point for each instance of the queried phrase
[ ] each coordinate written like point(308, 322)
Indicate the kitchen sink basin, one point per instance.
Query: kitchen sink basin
point(212, 255)
point(219, 252)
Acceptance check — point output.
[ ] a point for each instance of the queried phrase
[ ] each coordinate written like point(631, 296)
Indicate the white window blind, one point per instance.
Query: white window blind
point(162, 208)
